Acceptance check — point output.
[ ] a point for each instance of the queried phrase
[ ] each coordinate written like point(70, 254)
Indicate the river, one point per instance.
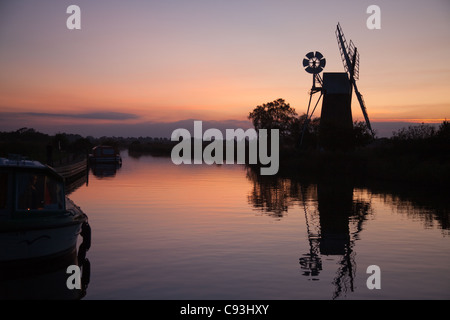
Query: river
point(162, 231)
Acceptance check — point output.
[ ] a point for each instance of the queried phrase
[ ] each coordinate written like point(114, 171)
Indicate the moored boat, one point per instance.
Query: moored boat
point(37, 219)
point(105, 154)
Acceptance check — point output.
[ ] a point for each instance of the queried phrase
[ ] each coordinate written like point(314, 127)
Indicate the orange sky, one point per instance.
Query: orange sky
point(154, 61)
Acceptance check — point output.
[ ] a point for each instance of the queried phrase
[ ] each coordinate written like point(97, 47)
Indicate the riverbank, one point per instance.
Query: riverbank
point(364, 165)
point(407, 158)
point(424, 162)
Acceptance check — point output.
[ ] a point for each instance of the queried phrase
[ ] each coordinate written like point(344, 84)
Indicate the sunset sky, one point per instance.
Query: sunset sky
point(136, 65)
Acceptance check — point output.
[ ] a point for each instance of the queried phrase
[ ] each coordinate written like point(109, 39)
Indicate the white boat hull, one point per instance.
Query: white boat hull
point(30, 244)
point(37, 219)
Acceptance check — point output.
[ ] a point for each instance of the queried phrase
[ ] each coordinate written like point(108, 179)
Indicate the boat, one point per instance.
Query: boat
point(105, 154)
point(37, 219)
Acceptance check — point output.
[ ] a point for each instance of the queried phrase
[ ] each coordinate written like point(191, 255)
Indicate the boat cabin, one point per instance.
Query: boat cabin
point(29, 189)
point(105, 154)
point(37, 220)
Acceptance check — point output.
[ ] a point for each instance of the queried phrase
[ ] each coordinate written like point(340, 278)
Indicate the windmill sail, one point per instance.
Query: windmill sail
point(350, 59)
point(363, 107)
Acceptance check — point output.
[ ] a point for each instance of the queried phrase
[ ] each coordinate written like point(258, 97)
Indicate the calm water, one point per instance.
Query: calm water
point(161, 231)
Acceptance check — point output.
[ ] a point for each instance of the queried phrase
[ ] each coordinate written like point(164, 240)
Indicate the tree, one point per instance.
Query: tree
point(415, 133)
point(275, 115)
point(60, 141)
point(444, 130)
point(81, 146)
point(363, 136)
point(308, 132)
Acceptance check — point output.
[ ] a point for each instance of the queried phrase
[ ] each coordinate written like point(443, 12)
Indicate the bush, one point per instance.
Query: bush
point(420, 132)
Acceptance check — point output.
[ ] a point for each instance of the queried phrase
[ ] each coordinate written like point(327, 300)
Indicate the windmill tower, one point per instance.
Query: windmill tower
point(336, 124)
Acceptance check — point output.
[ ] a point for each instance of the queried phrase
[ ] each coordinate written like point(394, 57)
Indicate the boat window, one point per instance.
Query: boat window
point(39, 192)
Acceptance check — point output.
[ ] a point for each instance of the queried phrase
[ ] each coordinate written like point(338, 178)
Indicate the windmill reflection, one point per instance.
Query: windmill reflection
point(334, 216)
point(311, 262)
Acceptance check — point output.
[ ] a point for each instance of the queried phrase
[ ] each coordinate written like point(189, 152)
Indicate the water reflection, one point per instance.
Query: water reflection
point(303, 243)
point(429, 205)
point(99, 170)
point(333, 221)
point(72, 185)
point(335, 212)
point(272, 195)
point(45, 279)
point(105, 170)
point(339, 213)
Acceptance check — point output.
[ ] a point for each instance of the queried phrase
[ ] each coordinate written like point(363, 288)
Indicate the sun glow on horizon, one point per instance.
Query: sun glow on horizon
point(155, 62)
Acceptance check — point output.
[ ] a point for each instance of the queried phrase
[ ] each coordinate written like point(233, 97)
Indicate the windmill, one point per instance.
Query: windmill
point(336, 88)
point(350, 59)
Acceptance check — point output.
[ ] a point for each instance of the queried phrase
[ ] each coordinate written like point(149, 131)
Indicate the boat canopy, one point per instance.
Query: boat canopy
point(29, 188)
point(99, 151)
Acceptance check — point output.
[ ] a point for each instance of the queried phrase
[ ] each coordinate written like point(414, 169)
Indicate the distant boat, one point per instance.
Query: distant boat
point(37, 219)
point(104, 154)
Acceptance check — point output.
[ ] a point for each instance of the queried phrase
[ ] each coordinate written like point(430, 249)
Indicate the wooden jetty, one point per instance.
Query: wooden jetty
point(72, 171)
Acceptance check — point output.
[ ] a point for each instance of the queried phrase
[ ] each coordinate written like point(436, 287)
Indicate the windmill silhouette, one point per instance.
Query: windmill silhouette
point(336, 88)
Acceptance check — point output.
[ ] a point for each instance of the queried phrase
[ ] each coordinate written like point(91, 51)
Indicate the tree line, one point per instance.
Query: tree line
point(280, 115)
point(65, 147)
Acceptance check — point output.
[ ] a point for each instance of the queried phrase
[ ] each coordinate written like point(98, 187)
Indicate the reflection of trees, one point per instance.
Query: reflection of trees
point(333, 222)
point(429, 205)
point(335, 212)
point(272, 195)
